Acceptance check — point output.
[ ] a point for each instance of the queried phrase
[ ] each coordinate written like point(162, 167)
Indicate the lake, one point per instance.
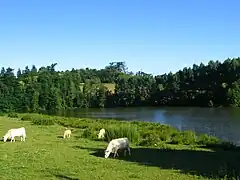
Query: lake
point(221, 122)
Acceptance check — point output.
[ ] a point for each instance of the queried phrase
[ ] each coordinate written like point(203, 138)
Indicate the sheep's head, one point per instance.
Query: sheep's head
point(108, 150)
point(107, 153)
point(5, 137)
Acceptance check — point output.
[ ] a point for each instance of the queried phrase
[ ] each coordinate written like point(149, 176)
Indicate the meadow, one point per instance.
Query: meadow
point(109, 86)
point(158, 151)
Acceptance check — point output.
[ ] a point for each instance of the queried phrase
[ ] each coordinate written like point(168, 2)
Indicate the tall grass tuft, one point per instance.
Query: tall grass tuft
point(205, 139)
point(121, 131)
point(185, 137)
point(13, 115)
point(90, 133)
point(27, 117)
point(43, 121)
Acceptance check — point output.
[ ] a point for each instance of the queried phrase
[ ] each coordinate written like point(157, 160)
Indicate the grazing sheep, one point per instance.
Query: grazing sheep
point(116, 144)
point(12, 133)
point(67, 133)
point(101, 134)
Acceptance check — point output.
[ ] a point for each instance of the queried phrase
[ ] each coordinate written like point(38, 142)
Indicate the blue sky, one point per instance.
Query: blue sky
point(155, 36)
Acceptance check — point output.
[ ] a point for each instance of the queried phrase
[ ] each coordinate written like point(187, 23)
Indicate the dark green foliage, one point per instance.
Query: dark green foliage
point(89, 133)
point(27, 118)
point(185, 137)
point(149, 140)
point(43, 121)
point(45, 89)
point(227, 145)
point(204, 139)
point(38, 119)
point(223, 145)
point(13, 115)
point(234, 94)
point(156, 133)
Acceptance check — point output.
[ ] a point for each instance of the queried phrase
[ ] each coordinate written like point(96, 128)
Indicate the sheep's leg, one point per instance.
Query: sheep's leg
point(129, 152)
point(125, 152)
point(21, 139)
point(116, 154)
point(12, 139)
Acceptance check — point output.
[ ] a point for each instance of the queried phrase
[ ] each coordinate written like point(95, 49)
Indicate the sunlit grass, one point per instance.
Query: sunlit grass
point(110, 86)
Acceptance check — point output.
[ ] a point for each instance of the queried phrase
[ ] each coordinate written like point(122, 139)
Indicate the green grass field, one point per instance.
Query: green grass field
point(46, 155)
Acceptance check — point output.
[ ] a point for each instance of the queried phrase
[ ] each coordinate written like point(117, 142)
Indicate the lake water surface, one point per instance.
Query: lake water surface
point(221, 122)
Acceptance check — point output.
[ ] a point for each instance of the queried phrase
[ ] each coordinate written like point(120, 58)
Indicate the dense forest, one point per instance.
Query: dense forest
point(32, 89)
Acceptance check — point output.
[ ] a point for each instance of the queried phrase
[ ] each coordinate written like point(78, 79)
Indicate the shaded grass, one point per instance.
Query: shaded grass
point(45, 156)
point(209, 164)
point(13, 115)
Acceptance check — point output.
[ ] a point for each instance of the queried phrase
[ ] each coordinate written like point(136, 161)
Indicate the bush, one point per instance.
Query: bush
point(13, 115)
point(75, 123)
point(27, 118)
point(227, 145)
point(205, 139)
point(213, 142)
point(163, 132)
point(176, 139)
point(119, 131)
point(43, 121)
point(189, 137)
point(150, 140)
point(89, 133)
point(185, 137)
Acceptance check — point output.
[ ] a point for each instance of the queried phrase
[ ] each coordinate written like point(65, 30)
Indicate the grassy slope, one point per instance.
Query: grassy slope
point(45, 155)
point(109, 86)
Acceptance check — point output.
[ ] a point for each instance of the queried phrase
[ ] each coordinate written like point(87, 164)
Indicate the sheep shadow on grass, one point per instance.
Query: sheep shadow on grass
point(216, 164)
point(60, 176)
point(9, 140)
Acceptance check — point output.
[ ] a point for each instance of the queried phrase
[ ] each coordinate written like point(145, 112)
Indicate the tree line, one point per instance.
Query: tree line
point(33, 90)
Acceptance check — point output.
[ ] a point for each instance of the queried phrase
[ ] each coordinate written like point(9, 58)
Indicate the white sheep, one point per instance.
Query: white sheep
point(101, 134)
point(12, 133)
point(67, 133)
point(116, 144)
